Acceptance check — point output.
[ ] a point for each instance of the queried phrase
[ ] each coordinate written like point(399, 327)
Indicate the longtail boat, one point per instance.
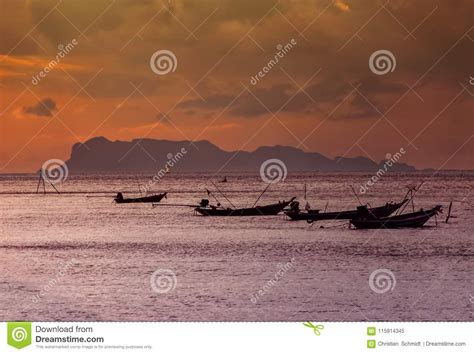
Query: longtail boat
point(314, 214)
point(148, 199)
point(270, 209)
point(416, 219)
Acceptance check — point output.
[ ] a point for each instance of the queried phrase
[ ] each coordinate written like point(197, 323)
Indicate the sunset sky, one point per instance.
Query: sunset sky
point(321, 96)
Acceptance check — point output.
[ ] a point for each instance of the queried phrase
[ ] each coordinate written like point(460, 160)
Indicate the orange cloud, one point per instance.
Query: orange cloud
point(108, 88)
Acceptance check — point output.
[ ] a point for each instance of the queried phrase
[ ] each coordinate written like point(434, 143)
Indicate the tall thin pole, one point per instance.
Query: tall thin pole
point(213, 196)
point(42, 180)
point(449, 212)
point(356, 195)
point(39, 180)
point(223, 194)
point(261, 194)
point(52, 185)
point(412, 192)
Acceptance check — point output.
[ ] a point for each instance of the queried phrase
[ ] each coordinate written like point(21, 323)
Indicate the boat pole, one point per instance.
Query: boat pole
point(405, 198)
point(412, 192)
point(52, 185)
point(223, 195)
point(213, 196)
point(449, 212)
point(154, 205)
point(39, 180)
point(353, 190)
point(261, 194)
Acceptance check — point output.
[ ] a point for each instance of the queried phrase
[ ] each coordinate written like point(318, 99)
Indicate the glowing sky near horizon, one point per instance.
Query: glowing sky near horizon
point(321, 96)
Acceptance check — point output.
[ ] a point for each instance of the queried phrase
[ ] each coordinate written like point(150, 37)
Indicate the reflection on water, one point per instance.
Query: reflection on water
point(79, 257)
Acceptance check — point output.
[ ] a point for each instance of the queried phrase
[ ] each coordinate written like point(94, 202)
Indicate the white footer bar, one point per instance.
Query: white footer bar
point(237, 337)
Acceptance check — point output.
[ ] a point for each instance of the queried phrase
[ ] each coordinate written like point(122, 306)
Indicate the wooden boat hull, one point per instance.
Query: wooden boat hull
point(382, 211)
point(150, 199)
point(271, 209)
point(411, 220)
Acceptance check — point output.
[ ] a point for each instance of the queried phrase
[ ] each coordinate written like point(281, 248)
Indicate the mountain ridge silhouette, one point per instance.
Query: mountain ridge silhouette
point(100, 154)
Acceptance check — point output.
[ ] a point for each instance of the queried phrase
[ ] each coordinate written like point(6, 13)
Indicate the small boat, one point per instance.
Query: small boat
point(148, 199)
point(314, 215)
point(270, 209)
point(416, 219)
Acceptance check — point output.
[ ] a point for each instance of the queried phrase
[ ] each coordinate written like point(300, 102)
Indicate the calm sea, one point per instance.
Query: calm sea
point(78, 256)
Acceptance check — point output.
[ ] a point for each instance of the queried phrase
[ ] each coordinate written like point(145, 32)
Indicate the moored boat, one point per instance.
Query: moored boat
point(148, 199)
point(411, 220)
point(270, 209)
point(314, 214)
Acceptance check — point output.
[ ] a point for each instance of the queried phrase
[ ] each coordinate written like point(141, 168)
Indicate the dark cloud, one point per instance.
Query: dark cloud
point(365, 101)
point(359, 108)
point(212, 101)
point(43, 108)
point(260, 101)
